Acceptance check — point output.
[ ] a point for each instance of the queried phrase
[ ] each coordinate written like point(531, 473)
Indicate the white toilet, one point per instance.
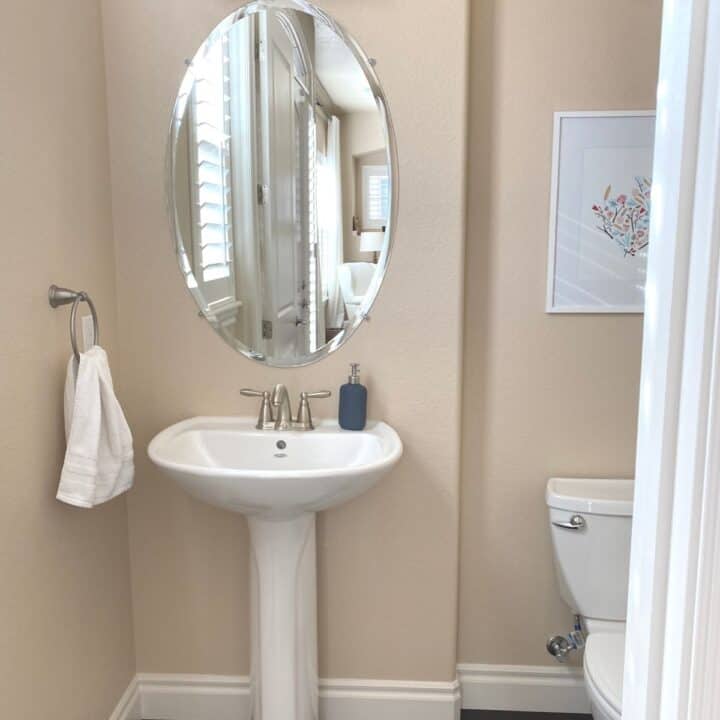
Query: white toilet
point(590, 522)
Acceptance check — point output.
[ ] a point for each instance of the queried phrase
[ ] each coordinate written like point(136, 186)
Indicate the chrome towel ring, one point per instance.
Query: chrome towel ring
point(58, 296)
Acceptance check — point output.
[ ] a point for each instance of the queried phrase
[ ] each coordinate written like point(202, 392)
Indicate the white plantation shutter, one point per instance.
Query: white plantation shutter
point(211, 167)
point(330, 224)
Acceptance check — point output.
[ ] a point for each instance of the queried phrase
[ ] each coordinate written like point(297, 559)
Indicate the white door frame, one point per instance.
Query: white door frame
point(672, 665)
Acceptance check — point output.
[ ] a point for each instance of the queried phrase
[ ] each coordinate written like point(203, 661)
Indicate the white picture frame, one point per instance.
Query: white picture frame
point(593, 265)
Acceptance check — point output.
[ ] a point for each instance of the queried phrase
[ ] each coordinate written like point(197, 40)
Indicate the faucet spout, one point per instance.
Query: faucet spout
point(281, 402)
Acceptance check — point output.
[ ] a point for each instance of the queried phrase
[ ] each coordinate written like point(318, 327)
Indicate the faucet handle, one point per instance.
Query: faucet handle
point(266, 421)
point(253, 393)
point(304, 416)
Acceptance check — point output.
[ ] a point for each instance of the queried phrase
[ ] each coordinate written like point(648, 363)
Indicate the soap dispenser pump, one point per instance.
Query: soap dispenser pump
point(353, 402)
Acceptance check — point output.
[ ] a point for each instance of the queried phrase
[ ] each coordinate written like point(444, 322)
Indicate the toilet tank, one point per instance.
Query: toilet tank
point(592, 560)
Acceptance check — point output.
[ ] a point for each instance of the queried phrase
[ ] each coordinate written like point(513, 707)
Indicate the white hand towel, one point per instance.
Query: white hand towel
point(99, 457)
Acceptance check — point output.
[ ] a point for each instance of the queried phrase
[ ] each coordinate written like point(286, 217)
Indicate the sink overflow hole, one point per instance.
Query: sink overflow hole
point(280, 444)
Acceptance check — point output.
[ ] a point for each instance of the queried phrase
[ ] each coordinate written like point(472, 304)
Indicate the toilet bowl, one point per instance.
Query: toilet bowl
point(590, 523)
point(603, 670)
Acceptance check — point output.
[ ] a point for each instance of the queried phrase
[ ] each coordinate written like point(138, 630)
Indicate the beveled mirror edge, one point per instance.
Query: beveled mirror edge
point(176, 119)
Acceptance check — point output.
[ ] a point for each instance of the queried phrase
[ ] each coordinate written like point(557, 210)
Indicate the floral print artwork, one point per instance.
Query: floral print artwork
point(626, 220)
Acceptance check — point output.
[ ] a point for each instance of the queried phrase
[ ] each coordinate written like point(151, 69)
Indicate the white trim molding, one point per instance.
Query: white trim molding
point(672, 661)
point(520, 688)
point(389, 700)
point(221, 697)
point(528, 688)
point(129, 706)
point(189, 697)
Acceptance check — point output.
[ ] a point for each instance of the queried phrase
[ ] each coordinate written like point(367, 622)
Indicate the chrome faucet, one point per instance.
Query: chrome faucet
point(276, 411)
point(281, 403)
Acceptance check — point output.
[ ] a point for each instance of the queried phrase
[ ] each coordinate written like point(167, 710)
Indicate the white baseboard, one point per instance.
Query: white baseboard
point(129, 707)
point(482, 687)
point(194, 697)
point(217, 697)
point(389, 700)
point(528, 688)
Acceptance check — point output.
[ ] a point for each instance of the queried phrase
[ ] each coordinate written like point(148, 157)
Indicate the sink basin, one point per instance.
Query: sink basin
point(226, 462)
point(279, 480)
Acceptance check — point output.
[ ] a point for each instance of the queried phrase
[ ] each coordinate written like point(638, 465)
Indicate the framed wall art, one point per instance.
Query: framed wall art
point(600, 211)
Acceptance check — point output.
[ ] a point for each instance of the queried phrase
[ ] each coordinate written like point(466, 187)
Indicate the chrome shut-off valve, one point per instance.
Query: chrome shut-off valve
point(560, 646)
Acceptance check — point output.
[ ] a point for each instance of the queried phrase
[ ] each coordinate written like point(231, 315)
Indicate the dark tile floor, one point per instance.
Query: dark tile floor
point(498, 715)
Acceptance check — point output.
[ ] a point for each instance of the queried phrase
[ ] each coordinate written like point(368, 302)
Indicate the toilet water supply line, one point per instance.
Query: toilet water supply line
point(560, 646)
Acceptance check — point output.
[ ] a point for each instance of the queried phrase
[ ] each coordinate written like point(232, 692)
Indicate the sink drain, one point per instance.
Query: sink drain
point(280, 444)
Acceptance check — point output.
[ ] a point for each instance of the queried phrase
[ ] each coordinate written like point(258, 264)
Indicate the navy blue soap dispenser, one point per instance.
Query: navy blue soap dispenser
point(353, 402)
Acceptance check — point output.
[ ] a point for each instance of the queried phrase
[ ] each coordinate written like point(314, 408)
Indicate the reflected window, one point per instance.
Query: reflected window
point(330, 220)
point(211, 201)
point(327, 218)
point(375, 196)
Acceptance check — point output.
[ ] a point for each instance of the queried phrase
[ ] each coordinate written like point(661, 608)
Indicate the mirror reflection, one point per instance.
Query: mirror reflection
point(281, 184)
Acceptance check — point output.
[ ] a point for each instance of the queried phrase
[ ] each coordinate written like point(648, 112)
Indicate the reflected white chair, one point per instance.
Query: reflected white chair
point(355, 279)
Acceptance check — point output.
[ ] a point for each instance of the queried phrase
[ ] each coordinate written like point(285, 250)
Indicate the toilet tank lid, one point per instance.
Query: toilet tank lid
point(591, 495)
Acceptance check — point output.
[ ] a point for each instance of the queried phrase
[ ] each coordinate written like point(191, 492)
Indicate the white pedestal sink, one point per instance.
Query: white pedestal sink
point(279, 480)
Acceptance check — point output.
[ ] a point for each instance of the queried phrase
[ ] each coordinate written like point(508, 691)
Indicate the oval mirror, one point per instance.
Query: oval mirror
point(282, 182)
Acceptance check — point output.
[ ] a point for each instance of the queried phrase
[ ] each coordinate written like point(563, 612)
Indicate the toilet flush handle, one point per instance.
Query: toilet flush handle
point(577, 522)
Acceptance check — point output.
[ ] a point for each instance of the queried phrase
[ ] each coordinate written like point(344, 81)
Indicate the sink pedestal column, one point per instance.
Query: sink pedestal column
point(284, 673)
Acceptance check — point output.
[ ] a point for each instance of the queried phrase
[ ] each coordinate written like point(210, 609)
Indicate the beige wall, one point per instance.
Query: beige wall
point(387, 561)
point(543, 395)
point(67, 643)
